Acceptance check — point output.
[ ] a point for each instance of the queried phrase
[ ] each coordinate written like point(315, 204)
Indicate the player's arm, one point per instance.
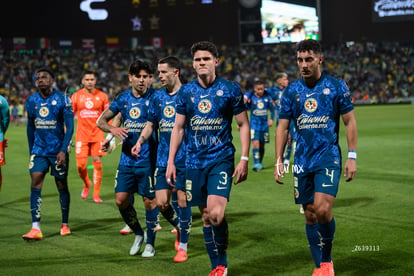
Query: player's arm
point(351, 137)
point(5, 115)
point(244, 129)
point(272, 112)
point(103, 124)
point(281, 136)
point(177, 136)
point(145, 135)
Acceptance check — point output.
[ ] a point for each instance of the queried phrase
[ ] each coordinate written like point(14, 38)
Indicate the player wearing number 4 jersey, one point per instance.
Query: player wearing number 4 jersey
point(204, 111)
point(88, 104)
point(315, 103)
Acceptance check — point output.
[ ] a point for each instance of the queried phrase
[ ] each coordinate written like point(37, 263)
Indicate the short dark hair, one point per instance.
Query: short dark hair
point(139, 65)
point(281, 75)
point(309, 45)
point(258, 82)
point(204, 46)
point(88, 72)
point(172, 61)
point(47, 70)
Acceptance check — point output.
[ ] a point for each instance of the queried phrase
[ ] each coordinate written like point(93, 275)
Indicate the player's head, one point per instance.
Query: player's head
point(45, 80)
point(89, 80)
point(204, 46)
point(169, 70)
point(139, 75)
point(259, 88)
point(282, 80)
point(205, 58)
point(309, 58)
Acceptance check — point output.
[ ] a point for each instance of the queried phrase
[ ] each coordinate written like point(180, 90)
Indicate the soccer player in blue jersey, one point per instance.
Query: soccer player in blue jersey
point(315, 103)
point(204, 111)
point(260, 103)
point(134, 174)
point(161, 118)
point(4, 124)
point(49, 132)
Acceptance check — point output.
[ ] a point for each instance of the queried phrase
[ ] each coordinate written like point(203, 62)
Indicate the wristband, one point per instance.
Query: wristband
point(352, 155)
point(245, 158)
point(109, 137)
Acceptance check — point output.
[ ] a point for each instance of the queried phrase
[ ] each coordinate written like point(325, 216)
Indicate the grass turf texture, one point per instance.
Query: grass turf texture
point(374, 235)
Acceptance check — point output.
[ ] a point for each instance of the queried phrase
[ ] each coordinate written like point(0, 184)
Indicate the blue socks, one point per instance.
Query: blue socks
point(151, 217)
point(327, 232)
point(35, 204)
point(64, 198)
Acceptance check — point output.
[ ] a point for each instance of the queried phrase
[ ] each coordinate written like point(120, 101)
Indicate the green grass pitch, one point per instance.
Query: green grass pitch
point(375, 222)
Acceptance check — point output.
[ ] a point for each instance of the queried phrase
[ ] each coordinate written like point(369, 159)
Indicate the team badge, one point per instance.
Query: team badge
point(204, 106)
point(189, 196)
point(44, 111)
point(135, 113)
point(326, 91)
point(220, 93)
point(169, 111)
point(54, 102)
point(311, 105)
point(88, 104)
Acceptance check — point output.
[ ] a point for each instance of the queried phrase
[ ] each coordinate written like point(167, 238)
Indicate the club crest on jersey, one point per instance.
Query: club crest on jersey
point(135, 112)
point(204, 106)
point(326, 91)
point(44, 111)
point(220, 93)
point(89, 104)
point(169, 111)
point(311, 105)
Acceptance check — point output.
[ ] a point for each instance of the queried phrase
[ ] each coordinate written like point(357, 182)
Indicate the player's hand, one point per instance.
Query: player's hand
point(61, 159)
point(270, 123)
point(350, 169)
point(120, 132)
point(105, 145)
point(240, 173)
point(136, 149)
point(171, 174)
point(279, 171)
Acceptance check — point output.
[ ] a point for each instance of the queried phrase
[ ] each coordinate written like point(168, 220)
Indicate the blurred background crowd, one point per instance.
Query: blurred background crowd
point(374, 72)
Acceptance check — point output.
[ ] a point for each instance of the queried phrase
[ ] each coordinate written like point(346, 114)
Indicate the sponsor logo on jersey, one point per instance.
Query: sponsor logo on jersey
point(311, 105)
point(260, 105)
point(204, 106)
point(135, 113)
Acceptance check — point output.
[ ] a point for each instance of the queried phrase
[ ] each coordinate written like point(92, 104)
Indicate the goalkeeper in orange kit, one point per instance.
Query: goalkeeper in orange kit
point(88, 104)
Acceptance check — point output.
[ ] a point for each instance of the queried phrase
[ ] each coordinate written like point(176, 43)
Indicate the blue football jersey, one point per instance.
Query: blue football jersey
point(162, 115)
point(134, 111)
point(46, 118)
point(209, 113)
point(316, 112)
point(276, 94)
point(259, 107)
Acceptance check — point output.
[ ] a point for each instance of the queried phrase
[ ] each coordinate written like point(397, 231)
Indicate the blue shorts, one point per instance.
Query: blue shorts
point(213, 180)
point(161, 182)
point(324, 181)
point(134, 180)
point(43, 163)
point(261, 136)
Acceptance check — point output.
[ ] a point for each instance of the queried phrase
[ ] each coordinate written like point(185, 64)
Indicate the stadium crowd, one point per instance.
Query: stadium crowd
point(375, 72)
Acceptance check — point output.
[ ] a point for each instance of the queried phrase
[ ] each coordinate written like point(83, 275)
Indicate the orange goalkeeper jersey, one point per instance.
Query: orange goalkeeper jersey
point(88, 107)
